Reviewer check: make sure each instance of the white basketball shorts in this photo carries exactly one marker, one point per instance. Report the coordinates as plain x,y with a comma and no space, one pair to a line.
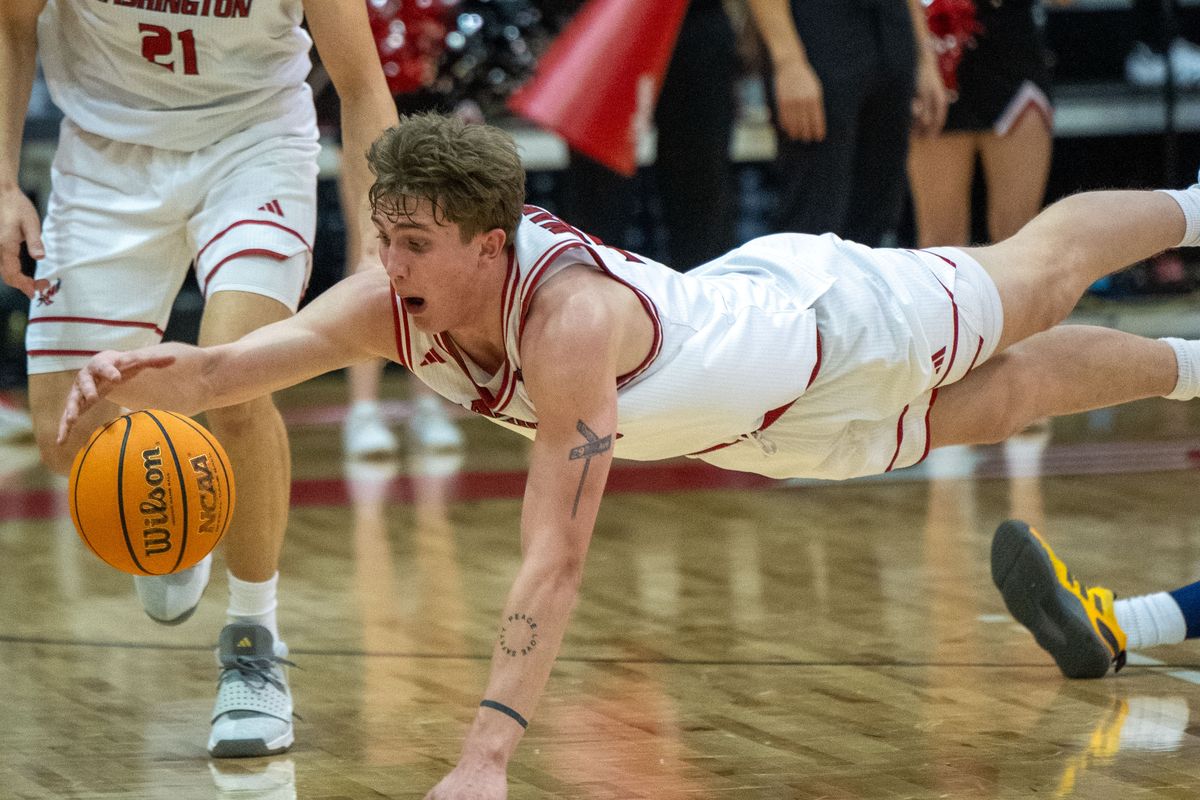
895,327
126,221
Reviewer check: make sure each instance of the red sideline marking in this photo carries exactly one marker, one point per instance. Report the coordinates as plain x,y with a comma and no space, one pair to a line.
670,476
1106,458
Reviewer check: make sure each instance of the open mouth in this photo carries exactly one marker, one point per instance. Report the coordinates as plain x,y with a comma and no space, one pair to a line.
414,304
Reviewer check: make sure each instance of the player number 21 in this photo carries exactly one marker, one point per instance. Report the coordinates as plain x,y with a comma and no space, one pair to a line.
157,46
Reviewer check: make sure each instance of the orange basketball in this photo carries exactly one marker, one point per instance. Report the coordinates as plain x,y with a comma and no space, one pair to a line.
151,492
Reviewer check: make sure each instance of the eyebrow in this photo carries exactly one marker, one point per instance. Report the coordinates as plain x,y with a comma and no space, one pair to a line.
383,223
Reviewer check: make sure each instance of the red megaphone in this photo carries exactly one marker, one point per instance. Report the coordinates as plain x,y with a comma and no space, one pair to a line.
597,84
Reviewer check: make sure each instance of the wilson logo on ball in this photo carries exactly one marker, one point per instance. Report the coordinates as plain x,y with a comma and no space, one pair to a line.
151,493
155,538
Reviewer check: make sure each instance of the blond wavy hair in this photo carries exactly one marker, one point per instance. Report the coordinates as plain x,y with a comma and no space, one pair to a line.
470,174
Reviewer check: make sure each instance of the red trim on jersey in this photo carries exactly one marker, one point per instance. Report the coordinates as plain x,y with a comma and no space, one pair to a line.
954,346
978,350
769,419
648,304
240,222
928,433
817,366
111,323
251,251
529,286
485,394
939,255
400,323
899,439
36,353
508,384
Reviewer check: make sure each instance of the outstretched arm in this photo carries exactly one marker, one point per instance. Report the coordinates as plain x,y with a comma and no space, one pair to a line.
569,366
18,218
348,323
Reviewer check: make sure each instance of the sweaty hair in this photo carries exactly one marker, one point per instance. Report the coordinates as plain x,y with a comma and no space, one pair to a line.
471,174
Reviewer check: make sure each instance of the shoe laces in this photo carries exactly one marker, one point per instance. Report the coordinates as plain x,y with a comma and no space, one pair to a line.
257,671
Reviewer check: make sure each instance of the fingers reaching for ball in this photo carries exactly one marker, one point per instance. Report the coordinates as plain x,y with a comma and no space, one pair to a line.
100,376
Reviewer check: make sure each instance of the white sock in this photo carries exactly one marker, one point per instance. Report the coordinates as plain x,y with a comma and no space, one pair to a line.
1189,201
253,602
1150,620
1187,358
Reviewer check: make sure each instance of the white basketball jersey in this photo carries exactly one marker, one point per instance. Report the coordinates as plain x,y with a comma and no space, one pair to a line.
178,74
735,340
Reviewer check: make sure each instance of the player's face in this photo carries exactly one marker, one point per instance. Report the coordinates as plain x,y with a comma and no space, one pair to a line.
434,273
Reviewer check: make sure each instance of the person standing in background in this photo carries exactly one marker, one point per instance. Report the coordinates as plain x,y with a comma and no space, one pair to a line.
189,137
1000,114
848,81
694,118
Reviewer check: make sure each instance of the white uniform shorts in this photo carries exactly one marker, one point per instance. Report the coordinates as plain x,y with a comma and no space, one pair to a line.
895,327
125,222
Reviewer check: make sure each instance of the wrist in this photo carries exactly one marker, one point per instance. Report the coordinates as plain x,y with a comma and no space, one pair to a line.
492,739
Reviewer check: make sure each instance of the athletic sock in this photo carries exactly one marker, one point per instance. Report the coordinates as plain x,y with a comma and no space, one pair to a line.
253,603
1187,358
1189,201
1154,619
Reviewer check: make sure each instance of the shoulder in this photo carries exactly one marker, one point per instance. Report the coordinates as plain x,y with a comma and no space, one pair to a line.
572,313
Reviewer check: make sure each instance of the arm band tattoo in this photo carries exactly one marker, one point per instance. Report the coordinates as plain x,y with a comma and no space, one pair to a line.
503,709
594,447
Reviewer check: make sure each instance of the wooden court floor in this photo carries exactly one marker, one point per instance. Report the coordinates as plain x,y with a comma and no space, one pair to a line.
735,638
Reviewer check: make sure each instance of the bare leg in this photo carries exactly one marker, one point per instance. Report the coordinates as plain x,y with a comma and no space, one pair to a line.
1016,166
255,438
1065,370
47,394
1044,269
940,169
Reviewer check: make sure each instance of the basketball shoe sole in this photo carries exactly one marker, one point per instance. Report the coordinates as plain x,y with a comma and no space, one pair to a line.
1073,623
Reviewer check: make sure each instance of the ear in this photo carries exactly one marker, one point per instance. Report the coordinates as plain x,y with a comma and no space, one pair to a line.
492,243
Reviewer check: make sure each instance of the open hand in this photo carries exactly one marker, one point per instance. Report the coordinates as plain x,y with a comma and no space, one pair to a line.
98,377
472,782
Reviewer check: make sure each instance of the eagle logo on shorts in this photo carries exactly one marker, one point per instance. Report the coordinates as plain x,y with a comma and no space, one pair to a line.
46,296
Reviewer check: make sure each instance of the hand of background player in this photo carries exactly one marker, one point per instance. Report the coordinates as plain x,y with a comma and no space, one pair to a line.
106,370
800,101
19,223
930,100
471,781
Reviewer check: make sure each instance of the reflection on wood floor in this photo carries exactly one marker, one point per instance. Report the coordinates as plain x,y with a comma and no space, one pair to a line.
736,638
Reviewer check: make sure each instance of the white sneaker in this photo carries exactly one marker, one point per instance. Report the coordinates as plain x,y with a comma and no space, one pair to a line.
15,424
1148,69
431,428
253,712
171,599
365,434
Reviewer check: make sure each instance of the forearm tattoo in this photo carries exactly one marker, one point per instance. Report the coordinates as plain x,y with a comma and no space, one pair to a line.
519,635
594,447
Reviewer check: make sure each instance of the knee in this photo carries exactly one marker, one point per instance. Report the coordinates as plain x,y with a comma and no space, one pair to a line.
242,419
57,458
1010,408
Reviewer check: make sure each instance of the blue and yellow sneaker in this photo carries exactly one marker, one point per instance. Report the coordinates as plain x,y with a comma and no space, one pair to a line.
1072,622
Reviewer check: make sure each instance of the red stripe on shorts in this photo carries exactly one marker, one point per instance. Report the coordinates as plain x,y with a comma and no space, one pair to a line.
254,251
284,228
112,323
36,353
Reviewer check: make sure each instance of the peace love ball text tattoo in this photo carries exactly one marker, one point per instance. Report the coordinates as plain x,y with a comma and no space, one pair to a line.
519,635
